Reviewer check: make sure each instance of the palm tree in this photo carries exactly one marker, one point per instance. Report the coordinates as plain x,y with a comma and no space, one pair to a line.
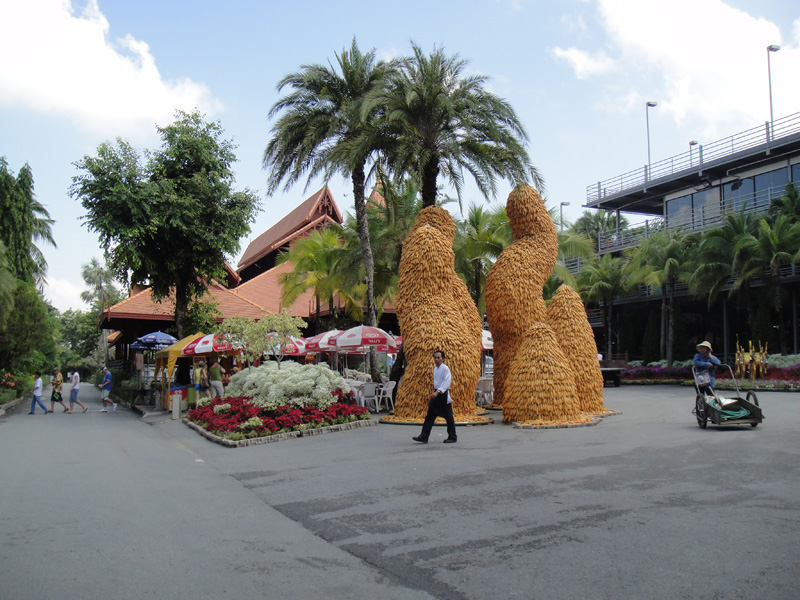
592,223
313,259
435,120
321,119
774,246
663,260
601,281
788,204
101,292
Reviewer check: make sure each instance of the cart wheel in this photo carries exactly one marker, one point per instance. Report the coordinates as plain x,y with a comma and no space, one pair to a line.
700,411
751,397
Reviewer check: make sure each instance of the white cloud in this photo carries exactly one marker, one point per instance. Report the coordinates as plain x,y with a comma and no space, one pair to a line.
63,63
64,294
584,64
702,60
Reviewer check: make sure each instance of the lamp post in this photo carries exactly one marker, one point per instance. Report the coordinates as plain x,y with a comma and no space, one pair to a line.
650,104
770,49
561,214
692,143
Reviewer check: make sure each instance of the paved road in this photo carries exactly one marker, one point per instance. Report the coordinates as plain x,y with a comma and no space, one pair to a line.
644,505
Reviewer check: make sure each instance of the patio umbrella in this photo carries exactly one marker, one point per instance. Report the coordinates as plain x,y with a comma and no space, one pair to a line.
154,341
322,341
207,343
293,347
398,342
363,335
487,343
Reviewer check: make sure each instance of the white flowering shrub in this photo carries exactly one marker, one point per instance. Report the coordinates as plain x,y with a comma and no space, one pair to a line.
221,408
251,423
293,384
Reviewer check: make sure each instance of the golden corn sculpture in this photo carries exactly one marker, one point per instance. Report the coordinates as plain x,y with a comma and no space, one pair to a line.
566,316
514,284
435,312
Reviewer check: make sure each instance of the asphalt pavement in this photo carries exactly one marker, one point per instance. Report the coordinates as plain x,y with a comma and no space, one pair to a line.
645,505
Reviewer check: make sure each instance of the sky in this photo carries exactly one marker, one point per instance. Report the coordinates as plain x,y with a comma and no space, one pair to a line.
578,73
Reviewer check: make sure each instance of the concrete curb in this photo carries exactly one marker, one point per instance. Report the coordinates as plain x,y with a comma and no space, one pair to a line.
11,404
277,437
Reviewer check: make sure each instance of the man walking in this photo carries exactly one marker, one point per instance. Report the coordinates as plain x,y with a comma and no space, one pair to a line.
37,395
73,392
215,374
440,402
105,390
57,380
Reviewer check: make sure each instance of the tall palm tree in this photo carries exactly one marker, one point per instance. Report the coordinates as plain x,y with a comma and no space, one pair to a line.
313,259
788,204
438,121
762,255
663,260
321,118
100,292
601,281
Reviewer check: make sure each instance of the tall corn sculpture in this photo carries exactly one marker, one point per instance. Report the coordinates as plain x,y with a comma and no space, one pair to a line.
514,285
540,388
435,313
566,316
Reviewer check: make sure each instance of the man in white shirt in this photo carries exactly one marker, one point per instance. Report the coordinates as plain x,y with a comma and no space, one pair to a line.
37,395
440,402
73,392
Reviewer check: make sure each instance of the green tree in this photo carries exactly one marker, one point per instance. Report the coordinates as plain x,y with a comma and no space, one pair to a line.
28,334
320,130
435,120
593,222
100,294
25,222
601,280
763,255
171,222
274,331
662,261
8,283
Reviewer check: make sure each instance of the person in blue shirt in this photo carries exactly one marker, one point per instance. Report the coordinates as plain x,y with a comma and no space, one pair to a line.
705,361
105,390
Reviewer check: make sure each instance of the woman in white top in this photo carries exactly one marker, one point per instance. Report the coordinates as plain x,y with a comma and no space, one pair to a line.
73,392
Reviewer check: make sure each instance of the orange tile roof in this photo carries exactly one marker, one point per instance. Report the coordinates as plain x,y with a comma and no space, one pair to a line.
265,291
318,209
143,306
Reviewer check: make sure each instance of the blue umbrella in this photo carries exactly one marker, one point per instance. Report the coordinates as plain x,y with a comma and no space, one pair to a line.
157,340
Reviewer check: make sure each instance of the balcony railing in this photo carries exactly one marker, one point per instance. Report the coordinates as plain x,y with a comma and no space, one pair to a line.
694,158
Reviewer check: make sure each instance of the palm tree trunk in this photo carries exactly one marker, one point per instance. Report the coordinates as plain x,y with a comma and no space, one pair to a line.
662,350
609,311
429,174
670,323
779,310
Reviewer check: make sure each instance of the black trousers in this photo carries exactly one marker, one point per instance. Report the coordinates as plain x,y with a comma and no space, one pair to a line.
439,407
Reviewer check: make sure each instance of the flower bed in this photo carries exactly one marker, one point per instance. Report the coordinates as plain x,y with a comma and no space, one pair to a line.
777,378
238,418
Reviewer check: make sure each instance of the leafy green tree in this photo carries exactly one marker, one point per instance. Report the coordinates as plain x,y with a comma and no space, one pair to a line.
763,255
322,120
662,261
601,280
237,330
593,222
8,283
172,221
28,334
100,294
25,222
274,331
435,120
202,314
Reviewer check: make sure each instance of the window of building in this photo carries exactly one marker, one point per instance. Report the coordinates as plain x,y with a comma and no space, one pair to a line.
770,185
738,193
679,211
796,175
706,206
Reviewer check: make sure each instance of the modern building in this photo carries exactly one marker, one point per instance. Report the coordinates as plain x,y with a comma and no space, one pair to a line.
692,191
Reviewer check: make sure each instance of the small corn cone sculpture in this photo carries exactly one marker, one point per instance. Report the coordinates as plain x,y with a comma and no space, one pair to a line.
541,384
566,316
514,284
435,312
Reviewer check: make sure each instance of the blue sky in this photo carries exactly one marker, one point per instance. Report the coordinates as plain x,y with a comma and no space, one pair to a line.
578,72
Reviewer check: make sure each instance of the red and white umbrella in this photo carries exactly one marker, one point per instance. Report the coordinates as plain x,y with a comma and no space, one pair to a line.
363,335
207,343
322,341
487,343
293,347
392,348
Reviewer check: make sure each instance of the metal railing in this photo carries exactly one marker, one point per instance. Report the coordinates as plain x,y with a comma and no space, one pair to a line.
693,159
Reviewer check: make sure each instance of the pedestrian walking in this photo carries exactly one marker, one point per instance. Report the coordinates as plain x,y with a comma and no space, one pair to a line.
37,395
202,384
57,381
73,392
215,373
440,404
105,390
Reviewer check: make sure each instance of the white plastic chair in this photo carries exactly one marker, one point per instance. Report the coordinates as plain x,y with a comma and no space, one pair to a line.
369,395
385,396
484,391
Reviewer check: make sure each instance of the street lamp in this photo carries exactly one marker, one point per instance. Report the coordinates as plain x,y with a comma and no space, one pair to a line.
771,48
650,104
692,143
561,214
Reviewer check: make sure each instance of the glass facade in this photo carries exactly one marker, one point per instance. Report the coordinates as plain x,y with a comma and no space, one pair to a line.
737,193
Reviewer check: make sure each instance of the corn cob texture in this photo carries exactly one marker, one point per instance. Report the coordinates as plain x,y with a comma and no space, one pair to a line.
514,301
541,387
566,316
435,312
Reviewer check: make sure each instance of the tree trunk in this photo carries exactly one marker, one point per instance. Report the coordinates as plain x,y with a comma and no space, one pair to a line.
662,349
429,174
670,323
779,309
181,306
609,346
478,272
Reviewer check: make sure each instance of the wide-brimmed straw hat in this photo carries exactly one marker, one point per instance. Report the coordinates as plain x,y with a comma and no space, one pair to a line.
706,345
